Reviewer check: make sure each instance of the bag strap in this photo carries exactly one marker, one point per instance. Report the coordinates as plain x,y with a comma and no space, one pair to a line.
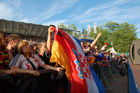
31,64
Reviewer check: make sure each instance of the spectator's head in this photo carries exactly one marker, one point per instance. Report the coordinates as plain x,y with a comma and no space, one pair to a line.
14,39
35,46
42,47
88,43
123,54
24,47
3,40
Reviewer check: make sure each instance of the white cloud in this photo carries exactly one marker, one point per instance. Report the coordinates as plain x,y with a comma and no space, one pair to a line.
106,5
54,9
15,3
111,11
97,10
55,22
6,12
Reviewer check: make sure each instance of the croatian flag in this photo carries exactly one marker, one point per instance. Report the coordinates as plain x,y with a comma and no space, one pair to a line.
67,52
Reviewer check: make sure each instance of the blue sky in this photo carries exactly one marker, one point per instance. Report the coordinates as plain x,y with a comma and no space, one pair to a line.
78,12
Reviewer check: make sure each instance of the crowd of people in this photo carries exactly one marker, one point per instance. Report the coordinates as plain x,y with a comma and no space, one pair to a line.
104,57
20,57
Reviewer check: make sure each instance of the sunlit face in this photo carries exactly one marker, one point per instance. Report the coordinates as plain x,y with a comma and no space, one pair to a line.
43,47
14,43
26,49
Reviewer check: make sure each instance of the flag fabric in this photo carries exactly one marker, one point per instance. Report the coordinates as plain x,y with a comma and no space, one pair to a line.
95,31
67,52
132,85
82,31
97,81
89,30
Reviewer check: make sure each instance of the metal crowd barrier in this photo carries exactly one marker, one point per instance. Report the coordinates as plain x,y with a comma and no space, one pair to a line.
105,72
19,83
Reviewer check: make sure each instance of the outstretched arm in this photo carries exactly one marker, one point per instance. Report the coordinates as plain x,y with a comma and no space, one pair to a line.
94,42
22,71
48,43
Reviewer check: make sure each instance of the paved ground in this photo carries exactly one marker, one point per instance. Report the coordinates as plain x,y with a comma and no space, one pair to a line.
118,85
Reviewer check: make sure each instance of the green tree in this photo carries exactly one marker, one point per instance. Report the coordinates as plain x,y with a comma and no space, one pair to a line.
62,26
72,27
112,26
123,37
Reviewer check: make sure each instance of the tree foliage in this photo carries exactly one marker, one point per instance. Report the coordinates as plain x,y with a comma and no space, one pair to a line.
66,29
121,35
72,27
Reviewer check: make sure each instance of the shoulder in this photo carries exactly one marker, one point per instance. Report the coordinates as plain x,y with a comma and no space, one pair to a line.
21,57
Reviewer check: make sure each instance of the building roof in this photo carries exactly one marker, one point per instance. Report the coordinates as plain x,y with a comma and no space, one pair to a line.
26,29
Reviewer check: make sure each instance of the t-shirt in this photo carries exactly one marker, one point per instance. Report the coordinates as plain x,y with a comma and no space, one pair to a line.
103,48
100,56
14,60
46,58
23,63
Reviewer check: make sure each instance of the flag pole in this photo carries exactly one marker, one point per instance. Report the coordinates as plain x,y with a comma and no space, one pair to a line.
95,31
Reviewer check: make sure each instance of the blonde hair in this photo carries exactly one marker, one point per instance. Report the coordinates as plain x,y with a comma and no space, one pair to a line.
40,44
21,44
13,37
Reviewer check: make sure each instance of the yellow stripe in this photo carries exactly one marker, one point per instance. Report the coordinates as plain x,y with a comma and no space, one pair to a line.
60,57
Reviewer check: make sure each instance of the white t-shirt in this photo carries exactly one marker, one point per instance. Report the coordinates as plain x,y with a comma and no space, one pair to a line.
23,63
103,48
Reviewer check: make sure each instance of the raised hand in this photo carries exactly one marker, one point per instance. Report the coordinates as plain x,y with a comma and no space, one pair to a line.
51,29
60,72
99,34
11,45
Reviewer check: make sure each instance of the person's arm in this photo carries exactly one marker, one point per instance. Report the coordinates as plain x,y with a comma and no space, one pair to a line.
9,50
108,50
48,67
94,42
23,71
8,71
48,44
59,69
16,67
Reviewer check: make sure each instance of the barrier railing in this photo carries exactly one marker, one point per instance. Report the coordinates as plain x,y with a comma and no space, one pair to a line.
46,82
